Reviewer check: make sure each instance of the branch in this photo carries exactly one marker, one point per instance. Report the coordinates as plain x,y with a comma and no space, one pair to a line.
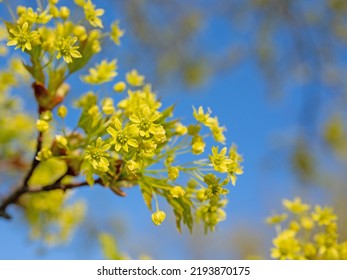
12,198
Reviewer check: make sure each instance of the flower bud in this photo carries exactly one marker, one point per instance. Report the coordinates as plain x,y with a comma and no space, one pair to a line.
46,116
62,111
42,126
201,195
173,173
177,192
198,145
158,217
21,10
61,141
119,87
81,32
44,154
131,166
64,12
181,129
107,106
54,11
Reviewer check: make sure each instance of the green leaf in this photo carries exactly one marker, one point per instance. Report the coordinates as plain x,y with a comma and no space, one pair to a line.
109,247
86,52
55,79
48,172
182,210
147,194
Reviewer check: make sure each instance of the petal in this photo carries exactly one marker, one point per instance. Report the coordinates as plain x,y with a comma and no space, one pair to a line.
125,148
117,124
134,119
133,143
112,132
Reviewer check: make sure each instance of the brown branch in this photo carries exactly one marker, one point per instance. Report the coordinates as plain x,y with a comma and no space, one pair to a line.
23,188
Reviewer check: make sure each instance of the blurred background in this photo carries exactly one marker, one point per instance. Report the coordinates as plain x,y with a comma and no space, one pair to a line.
274,71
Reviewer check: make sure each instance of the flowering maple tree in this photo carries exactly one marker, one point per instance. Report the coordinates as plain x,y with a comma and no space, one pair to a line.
117,142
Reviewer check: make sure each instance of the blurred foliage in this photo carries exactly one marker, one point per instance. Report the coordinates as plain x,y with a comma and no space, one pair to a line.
307,234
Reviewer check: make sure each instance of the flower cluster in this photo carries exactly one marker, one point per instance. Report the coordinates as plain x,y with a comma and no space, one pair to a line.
310,234
122,141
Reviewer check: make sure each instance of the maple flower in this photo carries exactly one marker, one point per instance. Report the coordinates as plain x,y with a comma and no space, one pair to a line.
219,160
92,14
144,121
116,33
134,78
67,50
101,73
158,217
122,138
96,154
22,37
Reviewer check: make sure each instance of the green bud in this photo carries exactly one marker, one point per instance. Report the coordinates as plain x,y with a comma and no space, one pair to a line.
158,217
193,129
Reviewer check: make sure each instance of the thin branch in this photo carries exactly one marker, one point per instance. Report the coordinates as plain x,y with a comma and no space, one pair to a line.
12,198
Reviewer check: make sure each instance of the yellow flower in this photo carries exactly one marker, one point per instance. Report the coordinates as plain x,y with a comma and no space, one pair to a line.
324,216
22,37
219,160
107,106
96,154
306,222
119,87
44,154
122,138
177,192
101,73
173,173
92,14
217,131
116,33
61,141
64,12
295,206
81,32
144,122
276,219
42,126
134,78
35,17
158,217
131,166
181,129
200,115
198,145
67,50
286,246
62,111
